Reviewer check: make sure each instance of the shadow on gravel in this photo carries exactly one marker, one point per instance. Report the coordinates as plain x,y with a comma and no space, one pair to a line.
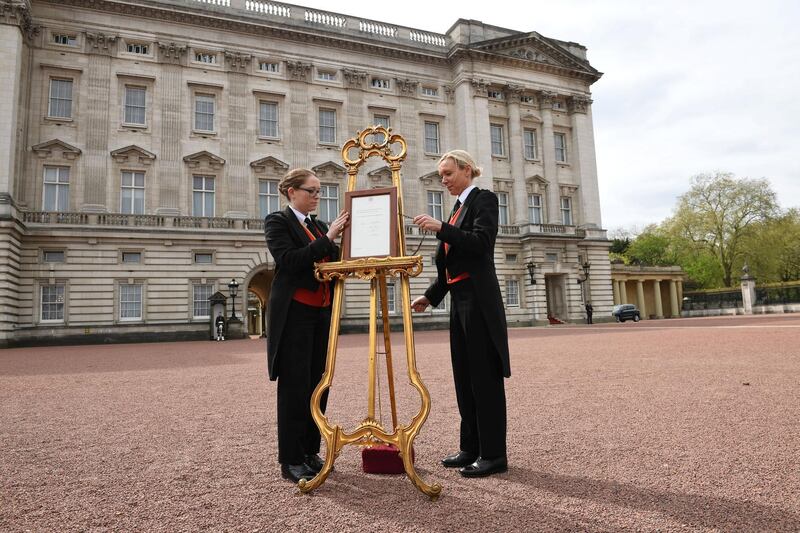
692,510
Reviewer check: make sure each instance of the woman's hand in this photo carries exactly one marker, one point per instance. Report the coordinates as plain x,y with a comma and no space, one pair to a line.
338,225
428,223
420,304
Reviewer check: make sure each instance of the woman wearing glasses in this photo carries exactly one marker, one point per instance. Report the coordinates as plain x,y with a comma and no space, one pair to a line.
299,318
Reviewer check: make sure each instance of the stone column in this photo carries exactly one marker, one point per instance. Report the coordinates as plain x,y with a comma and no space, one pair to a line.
615,291
302,115
657,294
169,171
583,160
553,215
237,171
623,292
478,143
520,198
640,297
675,312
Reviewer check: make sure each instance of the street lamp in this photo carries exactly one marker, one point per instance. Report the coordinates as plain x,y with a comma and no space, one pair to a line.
531,268
233,289
585,266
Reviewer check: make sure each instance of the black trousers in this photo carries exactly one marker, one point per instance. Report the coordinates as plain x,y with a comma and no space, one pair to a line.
478,375
301,362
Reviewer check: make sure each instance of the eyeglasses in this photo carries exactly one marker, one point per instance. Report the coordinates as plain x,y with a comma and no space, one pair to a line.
312,192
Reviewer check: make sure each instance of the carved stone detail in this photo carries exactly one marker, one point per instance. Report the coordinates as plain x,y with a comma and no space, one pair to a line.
237,62
530,54
546,99
480,87
579,104
514,93
100,43
354,78
18,13
449,93
45,150
203,159
171,53
269,163
299,70
407,86
330,170
133,154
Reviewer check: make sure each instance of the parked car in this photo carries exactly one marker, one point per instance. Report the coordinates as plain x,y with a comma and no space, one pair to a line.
624,312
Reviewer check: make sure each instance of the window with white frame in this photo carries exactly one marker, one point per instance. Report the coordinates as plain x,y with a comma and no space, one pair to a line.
535,208
561,147
205,57
268,66
328,208
435,206
52,302
201,292
138,48
56,189
65,38
203,258
529,143
566,210
268,197
380,83
326,75
132,194
502,201
327,125
431,137
203,196
53,256
135,105
130,301
496,133
60,98
268,119
204,106
512,293
430,91
390,296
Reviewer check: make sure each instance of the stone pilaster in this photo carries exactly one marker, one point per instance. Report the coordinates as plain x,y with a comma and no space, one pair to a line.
236,180
478,145
657,295
583,159
549,158
516,156
168,171
640,298
675,310
96,161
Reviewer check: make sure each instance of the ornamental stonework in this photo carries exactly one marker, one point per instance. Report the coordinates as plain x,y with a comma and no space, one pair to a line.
171,53
354,78
237,62
298,70
100,43
579,104
480,87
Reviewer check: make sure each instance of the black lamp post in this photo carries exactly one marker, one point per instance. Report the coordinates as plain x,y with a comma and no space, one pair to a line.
531,268
233,289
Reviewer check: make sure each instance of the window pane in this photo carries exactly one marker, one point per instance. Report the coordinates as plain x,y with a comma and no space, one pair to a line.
431,137
496,132
268,119
529,137
435,205
52,304
327,126
535,208
60,98
130,301
502,199
201,294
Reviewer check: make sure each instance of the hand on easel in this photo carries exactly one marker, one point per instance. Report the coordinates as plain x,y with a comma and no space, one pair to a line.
420,304
338,225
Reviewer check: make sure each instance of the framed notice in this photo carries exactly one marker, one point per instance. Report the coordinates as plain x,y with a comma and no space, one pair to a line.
372,231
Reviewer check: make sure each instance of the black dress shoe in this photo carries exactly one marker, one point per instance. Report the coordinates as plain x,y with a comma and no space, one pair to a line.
314,463
296,472
485,467
457,460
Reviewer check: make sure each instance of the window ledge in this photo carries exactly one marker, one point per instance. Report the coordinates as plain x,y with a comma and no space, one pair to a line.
134,127
59,119
200,133
264,139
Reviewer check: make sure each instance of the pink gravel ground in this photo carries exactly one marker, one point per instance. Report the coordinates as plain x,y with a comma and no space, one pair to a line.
672,425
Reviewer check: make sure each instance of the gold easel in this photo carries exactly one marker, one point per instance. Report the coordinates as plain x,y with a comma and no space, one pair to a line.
374,270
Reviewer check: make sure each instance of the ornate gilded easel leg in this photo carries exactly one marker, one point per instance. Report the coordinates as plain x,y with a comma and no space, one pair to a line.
406,446
331,435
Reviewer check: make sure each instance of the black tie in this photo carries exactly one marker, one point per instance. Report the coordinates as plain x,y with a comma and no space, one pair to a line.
455,209
311,227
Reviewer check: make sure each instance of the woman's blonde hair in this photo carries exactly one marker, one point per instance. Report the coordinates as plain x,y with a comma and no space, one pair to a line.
462,159
294,179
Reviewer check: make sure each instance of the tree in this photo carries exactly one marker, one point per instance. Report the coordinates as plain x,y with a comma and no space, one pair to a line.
773,249
652,247
719,212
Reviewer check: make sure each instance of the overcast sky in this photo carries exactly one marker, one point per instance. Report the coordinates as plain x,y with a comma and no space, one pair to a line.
688,87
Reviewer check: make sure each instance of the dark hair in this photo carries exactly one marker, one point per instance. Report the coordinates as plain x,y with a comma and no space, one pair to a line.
294,179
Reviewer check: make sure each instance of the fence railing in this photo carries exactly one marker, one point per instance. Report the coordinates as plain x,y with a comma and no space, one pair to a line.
767,294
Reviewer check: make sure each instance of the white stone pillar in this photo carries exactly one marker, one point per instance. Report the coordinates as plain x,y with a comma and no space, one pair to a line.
623,292
520,198
640,297
615,291
553,207
675,312
748,293
583,160
657,294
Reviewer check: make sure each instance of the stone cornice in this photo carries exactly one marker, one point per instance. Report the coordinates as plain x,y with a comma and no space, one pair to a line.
131,153
45,149
463,53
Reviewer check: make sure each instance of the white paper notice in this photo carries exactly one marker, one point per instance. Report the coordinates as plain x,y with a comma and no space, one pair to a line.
370,226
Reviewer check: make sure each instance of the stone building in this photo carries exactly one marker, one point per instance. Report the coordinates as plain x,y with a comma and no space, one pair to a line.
141,143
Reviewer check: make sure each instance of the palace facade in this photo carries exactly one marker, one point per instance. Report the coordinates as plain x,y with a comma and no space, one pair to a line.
141,143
